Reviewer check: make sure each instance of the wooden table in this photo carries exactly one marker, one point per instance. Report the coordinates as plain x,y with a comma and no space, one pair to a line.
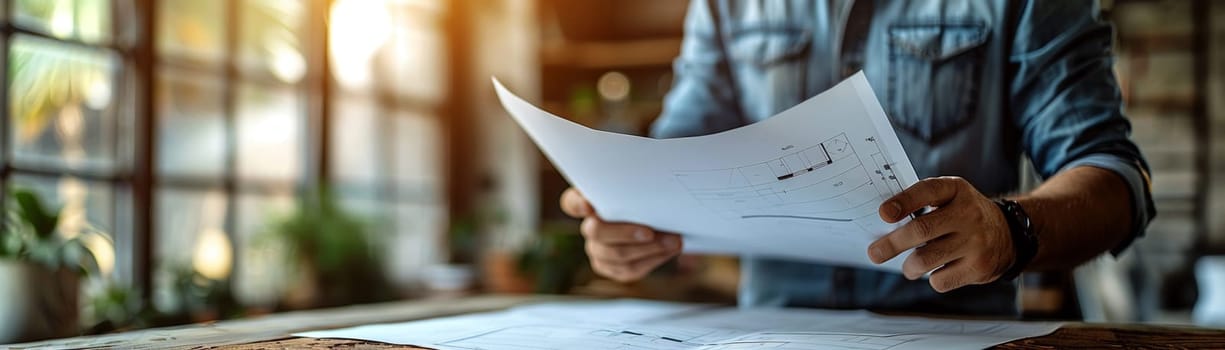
272,332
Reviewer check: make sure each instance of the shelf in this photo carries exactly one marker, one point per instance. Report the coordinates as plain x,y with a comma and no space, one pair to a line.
657,52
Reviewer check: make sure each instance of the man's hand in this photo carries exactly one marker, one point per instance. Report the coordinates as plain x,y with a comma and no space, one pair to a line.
623,252
966,239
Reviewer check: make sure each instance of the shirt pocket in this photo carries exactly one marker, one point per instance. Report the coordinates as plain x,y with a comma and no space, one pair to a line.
934,72
770,65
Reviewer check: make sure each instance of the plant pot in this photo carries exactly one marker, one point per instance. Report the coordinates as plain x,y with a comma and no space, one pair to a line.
501,274
305,291
37,303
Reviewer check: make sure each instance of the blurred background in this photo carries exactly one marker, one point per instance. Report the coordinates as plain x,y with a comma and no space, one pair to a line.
175,161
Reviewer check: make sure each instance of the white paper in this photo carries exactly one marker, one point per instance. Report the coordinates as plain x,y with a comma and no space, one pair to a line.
656,325
623,310
805,184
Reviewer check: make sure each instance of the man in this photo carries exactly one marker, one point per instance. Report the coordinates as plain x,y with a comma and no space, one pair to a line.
970,86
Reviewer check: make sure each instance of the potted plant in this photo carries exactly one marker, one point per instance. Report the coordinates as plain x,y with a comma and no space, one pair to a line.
334,252
40,272
466,239
115,307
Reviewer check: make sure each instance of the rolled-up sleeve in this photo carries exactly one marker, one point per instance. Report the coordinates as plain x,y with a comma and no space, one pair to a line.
1137,184
703,98
1066,101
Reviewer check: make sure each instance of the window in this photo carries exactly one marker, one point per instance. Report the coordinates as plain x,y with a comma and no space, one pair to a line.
231,129
387,147
64,128
246,109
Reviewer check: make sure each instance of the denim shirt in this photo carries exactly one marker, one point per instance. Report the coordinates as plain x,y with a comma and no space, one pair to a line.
970,86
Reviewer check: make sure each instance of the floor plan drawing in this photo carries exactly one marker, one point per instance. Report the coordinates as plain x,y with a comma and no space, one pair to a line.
528,337
825,182
569,325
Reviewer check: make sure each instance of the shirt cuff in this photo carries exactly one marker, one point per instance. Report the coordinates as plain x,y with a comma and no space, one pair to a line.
1138,184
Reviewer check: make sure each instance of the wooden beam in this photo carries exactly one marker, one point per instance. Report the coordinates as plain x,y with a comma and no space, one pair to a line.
457,115
144,59
1201,124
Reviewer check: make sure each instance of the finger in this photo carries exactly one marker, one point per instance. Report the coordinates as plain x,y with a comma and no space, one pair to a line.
933,255
642,268
914,233
627,253
615,272
633,271
575,205
615,233
626,273
955,274
930,192
637,270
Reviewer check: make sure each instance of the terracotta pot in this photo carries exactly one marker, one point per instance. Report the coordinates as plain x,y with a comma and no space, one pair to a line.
500,274
305,293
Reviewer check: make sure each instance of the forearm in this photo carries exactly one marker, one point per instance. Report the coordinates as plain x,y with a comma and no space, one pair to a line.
1077,214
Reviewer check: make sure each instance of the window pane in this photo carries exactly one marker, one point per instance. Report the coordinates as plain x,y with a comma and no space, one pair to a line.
61,106
190,239
83,205
87,20
270,38
372,152
357,151
357,30
260,277
191,129
414,59
417,154
269,132
121,235
414,243
192,29
398,46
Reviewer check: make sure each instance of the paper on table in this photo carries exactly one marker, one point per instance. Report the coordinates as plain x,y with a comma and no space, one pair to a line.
804,184
656,325
622,311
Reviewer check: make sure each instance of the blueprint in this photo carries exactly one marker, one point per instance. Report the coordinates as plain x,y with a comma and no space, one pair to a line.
637,324
804,184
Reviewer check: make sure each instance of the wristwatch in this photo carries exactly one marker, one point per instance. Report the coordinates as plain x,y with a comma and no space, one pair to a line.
1024,239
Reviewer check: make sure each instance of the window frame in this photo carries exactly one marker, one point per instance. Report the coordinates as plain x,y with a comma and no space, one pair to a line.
133,41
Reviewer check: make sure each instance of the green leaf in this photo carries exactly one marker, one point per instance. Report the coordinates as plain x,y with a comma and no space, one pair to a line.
30,208
10,244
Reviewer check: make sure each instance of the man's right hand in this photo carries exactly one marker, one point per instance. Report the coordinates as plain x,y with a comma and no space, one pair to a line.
623,252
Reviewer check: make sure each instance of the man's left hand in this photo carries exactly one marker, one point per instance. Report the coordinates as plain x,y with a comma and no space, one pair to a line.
965,239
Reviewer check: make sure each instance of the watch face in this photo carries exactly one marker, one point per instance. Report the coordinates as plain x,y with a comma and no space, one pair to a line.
1019,217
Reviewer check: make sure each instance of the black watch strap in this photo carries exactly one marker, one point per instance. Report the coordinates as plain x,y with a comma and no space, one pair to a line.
1024,239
